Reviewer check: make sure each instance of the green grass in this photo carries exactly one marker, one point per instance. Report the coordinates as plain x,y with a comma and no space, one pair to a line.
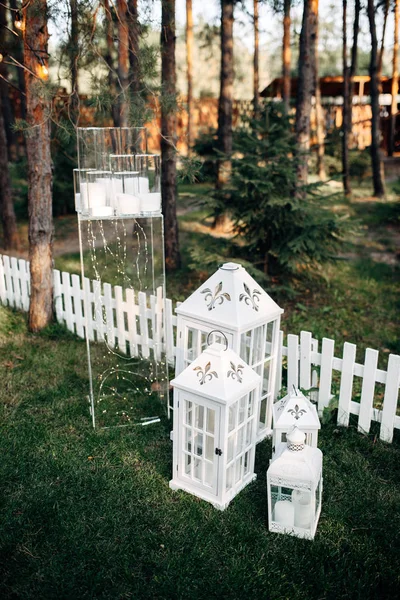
90,515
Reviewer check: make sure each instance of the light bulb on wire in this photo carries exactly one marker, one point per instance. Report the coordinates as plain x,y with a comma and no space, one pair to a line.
43,71
18,23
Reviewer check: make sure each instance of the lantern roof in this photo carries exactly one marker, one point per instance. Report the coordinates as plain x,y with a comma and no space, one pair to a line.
303,463
295,409
231,299
219,374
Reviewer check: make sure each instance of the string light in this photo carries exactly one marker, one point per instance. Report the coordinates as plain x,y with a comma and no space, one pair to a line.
43,70
18,22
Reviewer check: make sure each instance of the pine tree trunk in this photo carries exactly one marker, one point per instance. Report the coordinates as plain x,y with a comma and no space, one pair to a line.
134,59
286,54
382,48
8,220
189,66
39,167
110,62
395,79
226,93
8,117
73,49
379,190
123,62
346,106
256,61
168,135
353,64
306,85
319,113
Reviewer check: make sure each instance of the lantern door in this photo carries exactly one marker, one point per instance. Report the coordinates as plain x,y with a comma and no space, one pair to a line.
199,443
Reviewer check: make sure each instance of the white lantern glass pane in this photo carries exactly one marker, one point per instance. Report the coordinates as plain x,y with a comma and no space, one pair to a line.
210,420
209,447
197,469
229,478
232,417
188,464
269,338
240,440
246,462
199,421
238,469
209,473
188,412
188,439
303,516
203,340
198,444
248,433
242,409
263,413
258,345
265,382
189,346
231,445
250,407
245,343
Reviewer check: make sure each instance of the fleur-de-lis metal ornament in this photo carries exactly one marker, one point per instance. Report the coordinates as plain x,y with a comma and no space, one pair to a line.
250,298
205,374
215,298
297,412
236,372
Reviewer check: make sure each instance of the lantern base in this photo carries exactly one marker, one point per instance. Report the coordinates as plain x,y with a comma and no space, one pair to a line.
176,485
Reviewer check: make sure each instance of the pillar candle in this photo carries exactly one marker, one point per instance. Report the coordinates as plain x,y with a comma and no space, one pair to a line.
284,513
97,194
150,203
302,508
127,204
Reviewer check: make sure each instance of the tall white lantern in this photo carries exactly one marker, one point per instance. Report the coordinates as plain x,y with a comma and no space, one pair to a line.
232,302
295,409
294,487
214,433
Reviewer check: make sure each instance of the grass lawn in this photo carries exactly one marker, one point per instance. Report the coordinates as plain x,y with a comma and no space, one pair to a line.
89,514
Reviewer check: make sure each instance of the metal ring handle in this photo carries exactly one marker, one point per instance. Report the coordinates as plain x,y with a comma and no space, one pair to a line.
222,333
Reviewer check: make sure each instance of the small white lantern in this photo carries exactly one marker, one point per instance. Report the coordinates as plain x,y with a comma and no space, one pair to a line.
214,435
232,302
295,409
294,487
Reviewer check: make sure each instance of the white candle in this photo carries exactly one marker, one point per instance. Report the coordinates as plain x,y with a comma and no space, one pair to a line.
302,508
143,183
78,202
97,194
284,513
150,203
101,211
84,198
127,204
131,185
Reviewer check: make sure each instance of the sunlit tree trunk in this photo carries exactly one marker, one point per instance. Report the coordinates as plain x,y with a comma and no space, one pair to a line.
353,64
38,107
168,135
286,54
256,60
110,62
306,85
379,190
382,48
123,61
226,93
319,113
189,66
8,220
346,116
134,57
395,79
73,49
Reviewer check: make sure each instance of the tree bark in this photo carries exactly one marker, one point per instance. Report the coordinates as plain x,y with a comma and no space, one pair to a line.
8,220
379,189
395,79
256,61
123,62
382,48
306,86
18,55
189,66
110,62
286,54
135,76
39,165
225,103
353,63
73,49
319,113
8,117
346,106
168,135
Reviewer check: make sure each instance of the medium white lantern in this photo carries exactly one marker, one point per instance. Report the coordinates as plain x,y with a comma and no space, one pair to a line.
214,433
294,487
295,409
232,302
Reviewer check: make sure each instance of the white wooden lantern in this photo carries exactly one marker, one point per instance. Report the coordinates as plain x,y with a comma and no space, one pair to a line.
232,302
214,433
295,409
294,482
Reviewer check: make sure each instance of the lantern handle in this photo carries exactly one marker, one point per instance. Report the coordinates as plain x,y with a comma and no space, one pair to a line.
222,333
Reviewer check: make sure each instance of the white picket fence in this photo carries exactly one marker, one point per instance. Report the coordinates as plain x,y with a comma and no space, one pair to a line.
150,327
